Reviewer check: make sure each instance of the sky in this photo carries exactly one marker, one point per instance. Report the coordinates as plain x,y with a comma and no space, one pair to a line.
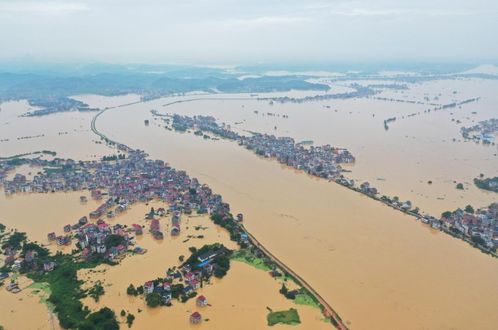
247,32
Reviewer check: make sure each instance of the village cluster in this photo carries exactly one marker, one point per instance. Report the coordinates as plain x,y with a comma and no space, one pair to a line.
321,161
484,131
184,282
324,162
481,226
119,184
477,226
124,182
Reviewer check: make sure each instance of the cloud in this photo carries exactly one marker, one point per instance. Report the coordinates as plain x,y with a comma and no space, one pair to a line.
42,7
263,21
402,12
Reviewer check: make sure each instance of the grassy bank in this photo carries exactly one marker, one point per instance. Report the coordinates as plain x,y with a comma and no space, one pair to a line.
247,257
306,298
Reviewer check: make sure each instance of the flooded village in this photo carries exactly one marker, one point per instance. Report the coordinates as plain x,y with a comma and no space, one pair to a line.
118,183
481,229
212,165
113,201
322,161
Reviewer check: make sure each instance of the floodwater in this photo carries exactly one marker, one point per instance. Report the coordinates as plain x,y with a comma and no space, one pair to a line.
238,301
255,289
15,307
376,266
46,213
67,133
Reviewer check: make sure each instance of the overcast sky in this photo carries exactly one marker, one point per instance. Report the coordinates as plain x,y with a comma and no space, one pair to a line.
229,31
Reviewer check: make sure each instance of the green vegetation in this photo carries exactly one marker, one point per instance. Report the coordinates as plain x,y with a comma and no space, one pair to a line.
96,291
104,319
114,240
459,186
15,240
176,290
490,184
289,317
305,298
447,214
245,255
66,293
153,299
45,288
469,209
17,160
229,224
41,251
129,319
221,261
132,291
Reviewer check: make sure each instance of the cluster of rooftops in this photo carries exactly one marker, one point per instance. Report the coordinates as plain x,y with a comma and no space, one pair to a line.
125,182
322,161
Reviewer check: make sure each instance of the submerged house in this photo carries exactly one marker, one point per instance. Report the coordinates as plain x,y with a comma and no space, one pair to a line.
148,287
201,301
51,236
195,318
175,230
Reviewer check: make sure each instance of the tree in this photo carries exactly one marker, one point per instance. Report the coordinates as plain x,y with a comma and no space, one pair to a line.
140,290
459,186
131,290
104,319
123,313
220,272
15,240
446,214
153,299
96,291
469,209
114,240
129,319
283,289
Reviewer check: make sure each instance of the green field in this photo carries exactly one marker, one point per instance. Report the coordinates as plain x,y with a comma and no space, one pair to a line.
305,298
248,258
289,317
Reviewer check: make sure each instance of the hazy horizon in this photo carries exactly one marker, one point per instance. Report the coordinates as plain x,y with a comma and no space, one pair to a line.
241,32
